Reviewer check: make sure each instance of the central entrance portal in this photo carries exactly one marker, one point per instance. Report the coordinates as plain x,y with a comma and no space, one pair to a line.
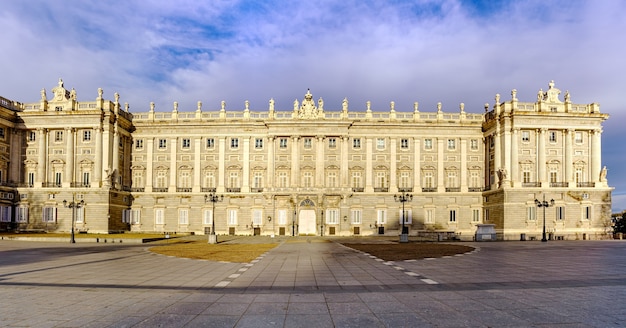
307,221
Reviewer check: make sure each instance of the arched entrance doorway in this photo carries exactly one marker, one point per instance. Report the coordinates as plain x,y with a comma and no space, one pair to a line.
306,218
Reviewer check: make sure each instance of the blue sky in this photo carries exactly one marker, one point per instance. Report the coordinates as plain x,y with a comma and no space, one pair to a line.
404,51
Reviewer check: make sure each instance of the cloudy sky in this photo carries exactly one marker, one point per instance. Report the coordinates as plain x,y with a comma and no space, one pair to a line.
447,51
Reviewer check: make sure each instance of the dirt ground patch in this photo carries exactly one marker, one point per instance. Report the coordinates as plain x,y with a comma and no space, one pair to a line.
410,251
240,253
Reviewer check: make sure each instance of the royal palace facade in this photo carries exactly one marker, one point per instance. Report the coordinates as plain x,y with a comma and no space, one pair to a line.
305,171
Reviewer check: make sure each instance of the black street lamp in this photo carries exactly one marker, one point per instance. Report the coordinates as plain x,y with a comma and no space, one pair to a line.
213,198
73,205
544,204
403,198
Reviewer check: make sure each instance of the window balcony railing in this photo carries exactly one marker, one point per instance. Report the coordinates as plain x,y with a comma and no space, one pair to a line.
559,184
25,185
475,189
138,189
178,189
208,189
126,188
531,184
381,189
429,189
51,185
233,189
80,185
455,189
256,189
159,189
405,189
585,184
358,189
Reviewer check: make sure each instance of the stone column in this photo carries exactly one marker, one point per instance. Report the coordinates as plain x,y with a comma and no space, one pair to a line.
507,152
197,144
270,162
116,157
16,147
368,165
221,167
497,155
319,162
69,158
393,169
569,165
596,155
345,181
149,161
245,186
106,151
295,163
417,165
541,157
173,168
97,178
41,157
441,186
514,157
463,172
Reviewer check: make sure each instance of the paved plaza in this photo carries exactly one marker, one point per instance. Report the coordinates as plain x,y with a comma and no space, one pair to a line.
310,282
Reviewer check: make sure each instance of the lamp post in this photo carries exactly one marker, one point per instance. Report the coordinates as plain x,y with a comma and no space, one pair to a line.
73,205
544,204
213,198
403,198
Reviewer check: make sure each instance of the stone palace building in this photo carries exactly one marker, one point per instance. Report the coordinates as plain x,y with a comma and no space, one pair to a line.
305,171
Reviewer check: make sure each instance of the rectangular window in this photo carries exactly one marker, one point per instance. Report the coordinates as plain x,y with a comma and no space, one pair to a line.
356,143
486,214
451,144
80,214
233,180
525,136
553,175
428,144
258,143
381,180
22,214
49,214
32,136
531,213
86,178
332,180
408,216
210,142
428,180
552,136
186,143
475,215
332,142
234,143
282,143
452,215
560,213
257,181
232,217
162,143
159,216
5,214
332,216
404,143
283,180
587,213
31,179
207,216
183,216
307,180
526,177
356,180
405,180
381,217
58,136
307,143
578,137
356,216
380,143
474,144
87,135
139,144
58,178
429,216
257,217
282,217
